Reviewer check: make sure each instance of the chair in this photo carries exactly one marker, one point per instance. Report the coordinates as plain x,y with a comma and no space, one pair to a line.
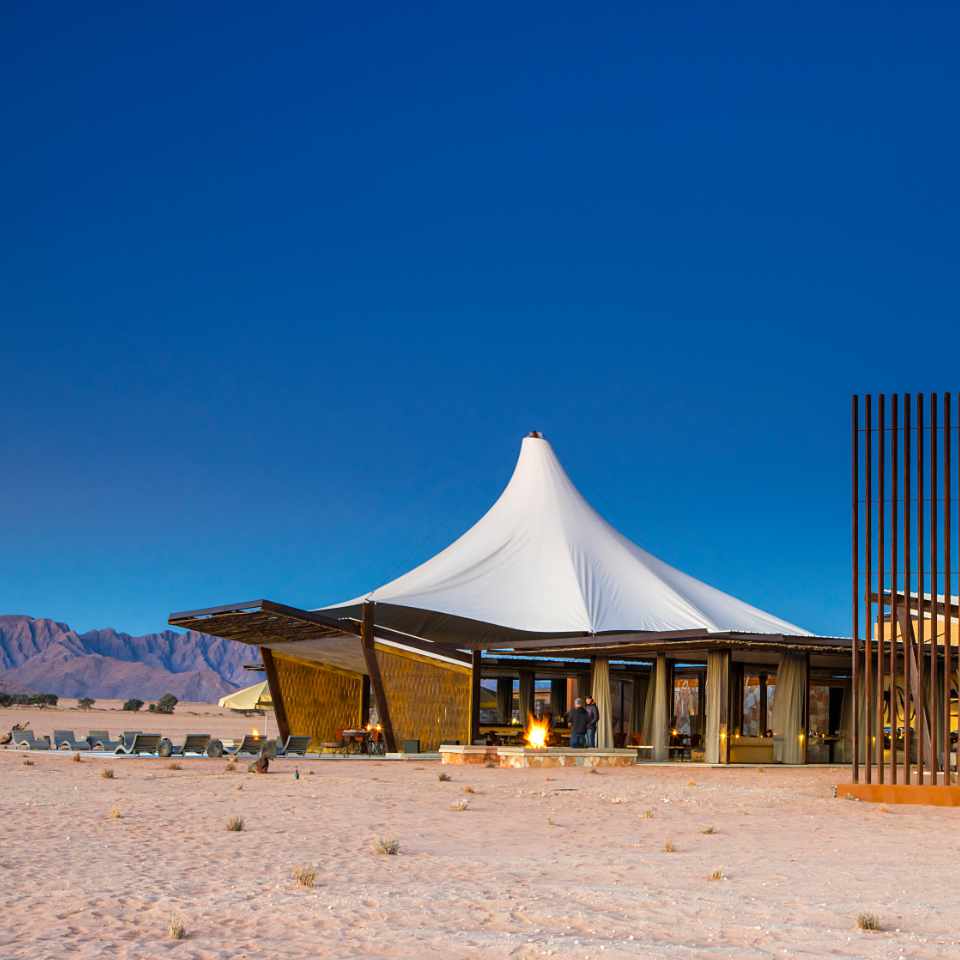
294,745
100,740
249,744
193,743
25,740
148,743
65,740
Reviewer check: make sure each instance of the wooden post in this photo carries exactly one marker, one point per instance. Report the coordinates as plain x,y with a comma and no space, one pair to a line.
273,682
475,658
364,700
855,719
376,680
868,581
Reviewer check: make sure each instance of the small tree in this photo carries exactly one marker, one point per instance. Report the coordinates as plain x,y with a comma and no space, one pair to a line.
133,704
85,703
165,704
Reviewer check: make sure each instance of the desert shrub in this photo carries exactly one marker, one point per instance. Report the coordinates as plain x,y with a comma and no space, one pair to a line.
305,876
460,805
386,847
27,762
647,814
77,758
469,789
115,813
444,777
133,705
668,847
709,830
176,930
85,703
231,766
868,921
28,699
165,704
235,824
716,875
174,766
107,773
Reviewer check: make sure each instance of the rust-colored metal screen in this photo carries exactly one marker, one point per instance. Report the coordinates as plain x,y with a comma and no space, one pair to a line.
429,700
319,700
905,596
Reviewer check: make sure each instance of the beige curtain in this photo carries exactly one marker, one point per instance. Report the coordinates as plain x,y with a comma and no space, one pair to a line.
660,721
604,701
718,681
646,726
788,744
638,705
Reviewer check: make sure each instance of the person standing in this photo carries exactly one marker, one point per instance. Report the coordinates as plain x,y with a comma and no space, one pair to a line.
578,719
593,718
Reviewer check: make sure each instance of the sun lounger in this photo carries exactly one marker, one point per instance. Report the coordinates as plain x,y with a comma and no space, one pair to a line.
127,739
65,740
194,743
25,740
100,740
293,745
249,744
142,743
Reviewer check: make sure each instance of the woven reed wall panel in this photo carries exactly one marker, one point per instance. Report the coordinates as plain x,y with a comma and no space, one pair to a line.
429,703
319,701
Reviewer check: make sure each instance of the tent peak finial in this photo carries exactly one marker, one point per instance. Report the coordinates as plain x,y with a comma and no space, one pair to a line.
536,434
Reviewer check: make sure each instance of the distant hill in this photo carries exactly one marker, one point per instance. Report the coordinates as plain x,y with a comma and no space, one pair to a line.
44,656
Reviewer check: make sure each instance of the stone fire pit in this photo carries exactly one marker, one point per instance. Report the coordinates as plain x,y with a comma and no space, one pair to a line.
530,757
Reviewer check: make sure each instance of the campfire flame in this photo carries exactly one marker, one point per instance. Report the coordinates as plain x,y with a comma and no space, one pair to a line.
536,733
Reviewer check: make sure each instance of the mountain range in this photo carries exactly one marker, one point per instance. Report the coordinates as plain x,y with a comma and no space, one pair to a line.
38,655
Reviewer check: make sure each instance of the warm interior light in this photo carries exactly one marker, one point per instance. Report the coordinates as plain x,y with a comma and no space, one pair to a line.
536,733
255,732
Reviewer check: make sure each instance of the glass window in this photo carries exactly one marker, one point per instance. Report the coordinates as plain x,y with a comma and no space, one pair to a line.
686,703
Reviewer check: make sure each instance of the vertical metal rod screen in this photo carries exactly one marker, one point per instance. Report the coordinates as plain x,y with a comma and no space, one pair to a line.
905,606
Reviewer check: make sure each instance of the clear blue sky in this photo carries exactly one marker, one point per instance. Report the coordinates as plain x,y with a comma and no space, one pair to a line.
283,287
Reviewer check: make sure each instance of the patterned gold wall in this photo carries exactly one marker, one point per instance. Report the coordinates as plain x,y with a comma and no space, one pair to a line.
429,700
319,700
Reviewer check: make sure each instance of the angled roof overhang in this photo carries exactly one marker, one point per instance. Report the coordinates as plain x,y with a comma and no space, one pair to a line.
305,634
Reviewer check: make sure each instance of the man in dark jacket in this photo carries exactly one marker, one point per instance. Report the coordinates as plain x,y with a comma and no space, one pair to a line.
593,718
578,719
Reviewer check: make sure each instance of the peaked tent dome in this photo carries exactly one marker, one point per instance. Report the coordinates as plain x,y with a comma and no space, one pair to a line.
542,562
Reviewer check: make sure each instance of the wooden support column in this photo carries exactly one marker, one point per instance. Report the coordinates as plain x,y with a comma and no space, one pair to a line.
475,658
364,700
505,699
376,680
273,682
527,683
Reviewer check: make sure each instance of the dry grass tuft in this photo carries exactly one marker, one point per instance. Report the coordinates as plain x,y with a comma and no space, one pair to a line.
235,824
174,766
460,805
107,773
76,758
176,930
691,783
868,921
230,767
305,876
594,770
469,789
444,777
115,813
647,814
717,875
27,762
709,830
386,847
668,847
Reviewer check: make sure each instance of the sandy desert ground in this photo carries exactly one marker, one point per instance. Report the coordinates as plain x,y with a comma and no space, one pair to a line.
107,715
553,863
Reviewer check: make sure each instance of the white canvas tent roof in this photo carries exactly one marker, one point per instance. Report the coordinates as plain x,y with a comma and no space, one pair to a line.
543,563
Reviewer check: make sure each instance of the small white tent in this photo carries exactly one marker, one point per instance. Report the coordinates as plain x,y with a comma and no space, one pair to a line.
543,563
